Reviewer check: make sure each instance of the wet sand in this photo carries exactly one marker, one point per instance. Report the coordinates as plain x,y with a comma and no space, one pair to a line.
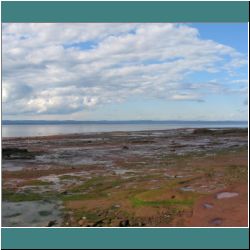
165,178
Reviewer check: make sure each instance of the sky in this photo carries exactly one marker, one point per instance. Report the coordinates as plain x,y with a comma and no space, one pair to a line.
124,71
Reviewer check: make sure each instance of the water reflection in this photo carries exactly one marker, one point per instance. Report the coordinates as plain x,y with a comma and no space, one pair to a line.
43,130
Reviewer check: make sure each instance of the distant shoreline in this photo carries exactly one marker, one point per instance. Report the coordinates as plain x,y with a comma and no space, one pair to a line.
114,122
94,133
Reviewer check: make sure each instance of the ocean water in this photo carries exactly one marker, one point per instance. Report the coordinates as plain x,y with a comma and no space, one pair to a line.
56,129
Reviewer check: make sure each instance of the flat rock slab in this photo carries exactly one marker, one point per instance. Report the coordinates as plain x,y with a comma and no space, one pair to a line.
226,195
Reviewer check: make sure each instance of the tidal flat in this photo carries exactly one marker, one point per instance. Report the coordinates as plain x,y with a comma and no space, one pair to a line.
164,178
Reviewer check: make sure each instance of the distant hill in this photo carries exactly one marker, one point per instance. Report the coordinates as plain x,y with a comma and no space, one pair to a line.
63,122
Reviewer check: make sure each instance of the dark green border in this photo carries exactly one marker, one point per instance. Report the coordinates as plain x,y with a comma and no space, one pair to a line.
205,11
125,238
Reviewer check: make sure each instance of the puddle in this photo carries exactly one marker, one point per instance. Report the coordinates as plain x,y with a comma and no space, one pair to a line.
30,213
58,184
226,195
187,189
74,157
122,171
12,165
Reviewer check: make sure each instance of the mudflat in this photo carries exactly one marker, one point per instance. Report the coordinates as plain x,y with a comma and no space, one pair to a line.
166,178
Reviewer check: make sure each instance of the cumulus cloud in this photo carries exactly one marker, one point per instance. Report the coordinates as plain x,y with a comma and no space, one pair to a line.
66,68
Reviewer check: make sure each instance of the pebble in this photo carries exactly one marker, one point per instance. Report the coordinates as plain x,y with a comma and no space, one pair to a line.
81,222
51,223
64,192
124,223
208,205
115,223
216,221
141,224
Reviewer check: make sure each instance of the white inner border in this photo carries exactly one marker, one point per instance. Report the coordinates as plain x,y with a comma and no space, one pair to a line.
109,227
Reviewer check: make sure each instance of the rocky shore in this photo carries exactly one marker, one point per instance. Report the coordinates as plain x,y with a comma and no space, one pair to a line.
165,178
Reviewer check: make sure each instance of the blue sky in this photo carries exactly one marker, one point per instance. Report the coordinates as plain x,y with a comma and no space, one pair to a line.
125,71
226,33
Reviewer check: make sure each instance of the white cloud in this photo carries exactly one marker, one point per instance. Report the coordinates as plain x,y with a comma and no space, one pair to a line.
66,68
187,97
240,81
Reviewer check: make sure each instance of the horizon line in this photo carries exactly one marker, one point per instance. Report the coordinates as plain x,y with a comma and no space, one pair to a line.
128,120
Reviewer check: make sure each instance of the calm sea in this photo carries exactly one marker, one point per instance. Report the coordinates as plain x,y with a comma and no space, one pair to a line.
44,130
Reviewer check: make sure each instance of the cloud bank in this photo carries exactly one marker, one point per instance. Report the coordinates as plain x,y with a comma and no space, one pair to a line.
68,68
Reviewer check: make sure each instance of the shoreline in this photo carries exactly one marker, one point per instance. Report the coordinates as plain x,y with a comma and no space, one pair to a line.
118,131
